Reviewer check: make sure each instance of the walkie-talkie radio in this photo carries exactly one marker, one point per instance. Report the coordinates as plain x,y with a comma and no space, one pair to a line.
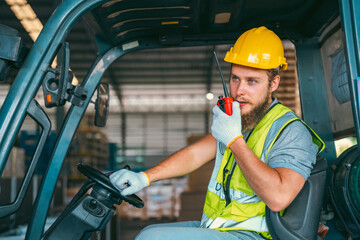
224,103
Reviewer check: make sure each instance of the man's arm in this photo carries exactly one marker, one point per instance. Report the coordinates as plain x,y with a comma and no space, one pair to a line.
180,163
277,187
185,160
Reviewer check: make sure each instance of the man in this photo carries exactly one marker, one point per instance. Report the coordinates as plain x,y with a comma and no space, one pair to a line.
263,151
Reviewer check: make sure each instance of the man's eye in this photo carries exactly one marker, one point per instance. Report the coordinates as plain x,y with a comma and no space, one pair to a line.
251,81
235,78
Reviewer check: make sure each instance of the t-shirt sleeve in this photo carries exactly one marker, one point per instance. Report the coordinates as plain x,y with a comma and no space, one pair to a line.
294,149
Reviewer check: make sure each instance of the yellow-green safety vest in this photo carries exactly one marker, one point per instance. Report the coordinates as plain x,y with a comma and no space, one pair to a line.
244,209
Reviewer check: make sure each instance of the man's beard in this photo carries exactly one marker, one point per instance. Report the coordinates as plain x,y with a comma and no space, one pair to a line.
251,119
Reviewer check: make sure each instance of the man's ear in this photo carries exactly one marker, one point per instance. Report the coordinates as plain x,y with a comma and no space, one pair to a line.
274,84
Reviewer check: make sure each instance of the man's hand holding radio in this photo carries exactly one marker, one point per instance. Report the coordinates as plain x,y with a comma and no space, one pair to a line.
225,128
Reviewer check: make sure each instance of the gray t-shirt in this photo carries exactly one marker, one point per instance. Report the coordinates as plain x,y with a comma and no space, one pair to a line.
294,149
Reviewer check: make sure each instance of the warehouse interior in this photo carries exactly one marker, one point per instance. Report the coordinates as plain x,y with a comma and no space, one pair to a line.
160,101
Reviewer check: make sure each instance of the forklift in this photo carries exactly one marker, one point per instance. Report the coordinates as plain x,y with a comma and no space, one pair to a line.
326,36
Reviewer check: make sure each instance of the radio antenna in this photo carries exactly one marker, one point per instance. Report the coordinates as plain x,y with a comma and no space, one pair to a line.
222,77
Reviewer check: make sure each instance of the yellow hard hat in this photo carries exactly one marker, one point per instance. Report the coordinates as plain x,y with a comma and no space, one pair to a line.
258,48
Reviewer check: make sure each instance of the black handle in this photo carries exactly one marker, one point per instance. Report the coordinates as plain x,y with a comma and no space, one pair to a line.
36,112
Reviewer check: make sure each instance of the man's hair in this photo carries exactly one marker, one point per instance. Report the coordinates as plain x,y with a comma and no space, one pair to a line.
272,73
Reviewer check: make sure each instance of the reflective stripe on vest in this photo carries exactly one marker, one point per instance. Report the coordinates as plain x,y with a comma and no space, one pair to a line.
245,211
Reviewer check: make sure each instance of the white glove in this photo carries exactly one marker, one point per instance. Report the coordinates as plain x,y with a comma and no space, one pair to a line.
225,128
129,182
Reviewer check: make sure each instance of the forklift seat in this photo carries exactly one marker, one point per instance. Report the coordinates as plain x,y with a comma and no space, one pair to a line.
12,51
300,220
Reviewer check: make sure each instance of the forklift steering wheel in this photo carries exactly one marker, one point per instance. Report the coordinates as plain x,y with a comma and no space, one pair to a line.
104,181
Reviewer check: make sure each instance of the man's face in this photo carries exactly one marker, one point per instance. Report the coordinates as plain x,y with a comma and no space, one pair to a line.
252,89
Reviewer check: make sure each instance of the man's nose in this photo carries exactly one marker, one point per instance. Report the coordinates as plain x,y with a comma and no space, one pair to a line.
241,88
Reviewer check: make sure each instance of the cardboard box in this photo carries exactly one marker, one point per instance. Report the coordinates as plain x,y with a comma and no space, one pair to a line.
199,179
162,200
192,204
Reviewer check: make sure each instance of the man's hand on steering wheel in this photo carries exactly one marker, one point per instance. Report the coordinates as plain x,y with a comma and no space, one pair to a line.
103,180
129,182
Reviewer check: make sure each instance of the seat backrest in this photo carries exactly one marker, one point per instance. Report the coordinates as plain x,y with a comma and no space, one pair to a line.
11,49
301,218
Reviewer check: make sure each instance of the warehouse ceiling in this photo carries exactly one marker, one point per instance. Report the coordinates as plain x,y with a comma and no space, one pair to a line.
188,70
